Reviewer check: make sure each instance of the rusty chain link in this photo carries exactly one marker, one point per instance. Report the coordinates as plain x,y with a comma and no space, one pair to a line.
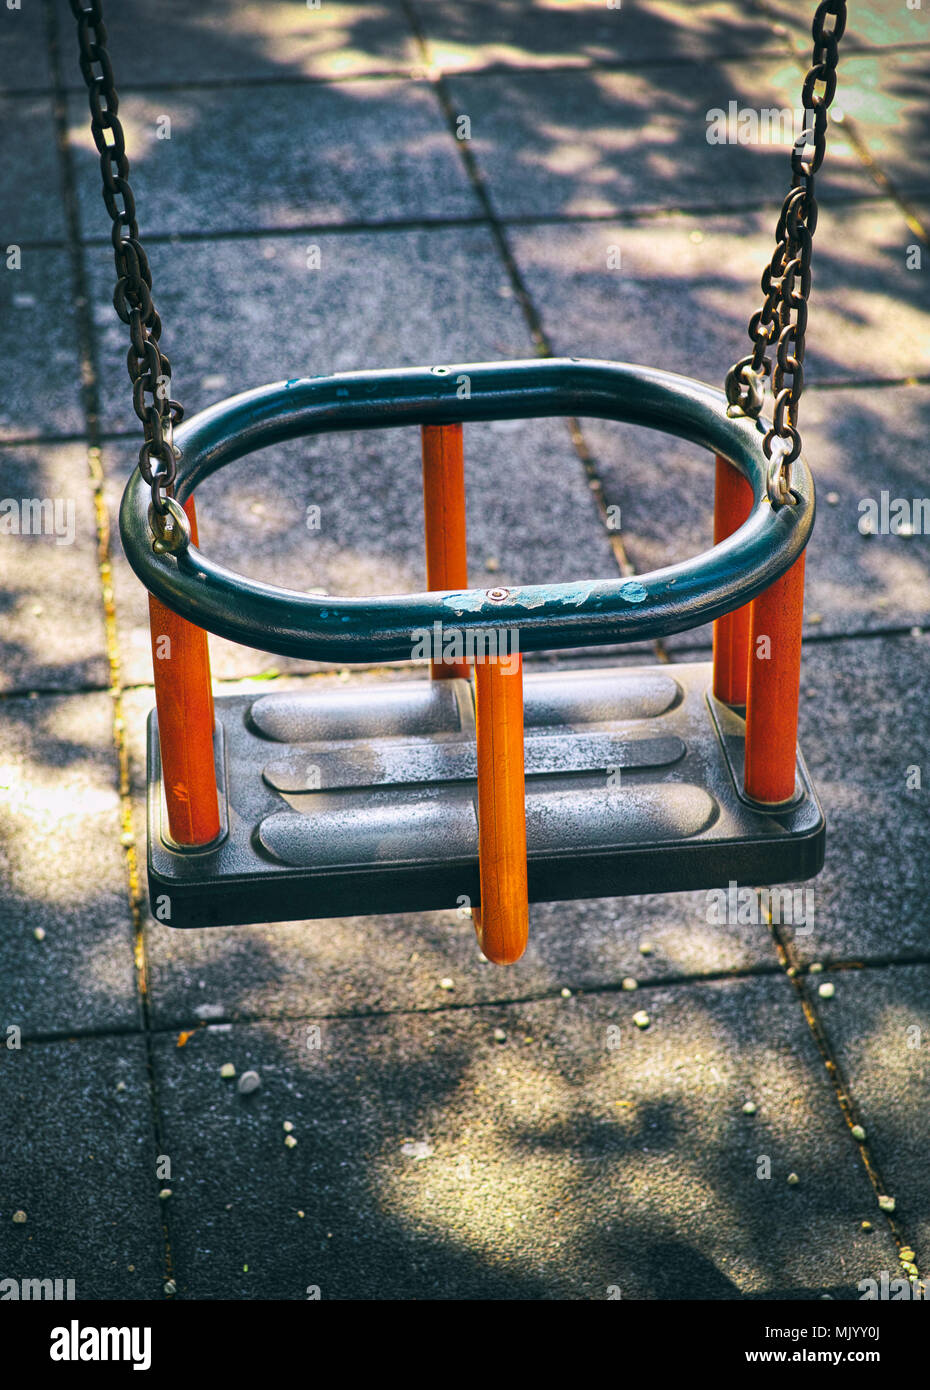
786,281
149,368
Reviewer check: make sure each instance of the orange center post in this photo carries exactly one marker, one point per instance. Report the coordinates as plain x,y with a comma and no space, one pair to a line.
502,922
444,511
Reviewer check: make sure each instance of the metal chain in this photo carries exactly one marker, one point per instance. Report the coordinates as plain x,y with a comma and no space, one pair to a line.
786,281
149,368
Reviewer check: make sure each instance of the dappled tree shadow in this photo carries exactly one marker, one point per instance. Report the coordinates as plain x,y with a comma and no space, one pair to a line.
621,1193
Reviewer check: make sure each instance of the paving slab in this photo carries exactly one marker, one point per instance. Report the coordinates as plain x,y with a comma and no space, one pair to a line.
470,34
686,285
62,871
52,633
32,205
287,155
876,24
38,342
577,1158
860,444
886,96
436,297
378,299
878,1028
80,1161
864,728
596,142
239,40
23,48
863,731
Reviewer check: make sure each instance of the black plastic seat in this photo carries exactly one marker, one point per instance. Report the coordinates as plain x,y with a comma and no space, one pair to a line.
364,801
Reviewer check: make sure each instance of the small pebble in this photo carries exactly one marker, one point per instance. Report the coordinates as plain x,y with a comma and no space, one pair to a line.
867,1225
886,1203
19,1217
121,1085
827,991
816,968
227,1071
171,1286
629,983
645,948
492,563
301,1215
290,1141
417,1148
642,1019
833,498
446,983
858,1133
499,1035
566,994
39,933
792,972
249,1081
793,1179
207,1011
749,1108
287,1126
165,1193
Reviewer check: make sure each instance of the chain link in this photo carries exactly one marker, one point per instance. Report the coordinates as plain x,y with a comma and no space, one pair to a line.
149,368
786,280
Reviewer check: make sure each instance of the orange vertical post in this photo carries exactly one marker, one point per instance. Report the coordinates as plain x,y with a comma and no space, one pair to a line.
774,688
444,512
502,923
184,698
732,505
